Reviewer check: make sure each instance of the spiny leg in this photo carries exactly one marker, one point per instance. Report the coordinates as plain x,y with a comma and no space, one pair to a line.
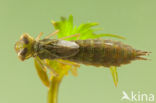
67,63
52,34
41,71
52,69
70,36
74,66
40,63
74,71
38,37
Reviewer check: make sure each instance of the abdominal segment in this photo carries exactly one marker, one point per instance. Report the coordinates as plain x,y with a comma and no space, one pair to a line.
98,52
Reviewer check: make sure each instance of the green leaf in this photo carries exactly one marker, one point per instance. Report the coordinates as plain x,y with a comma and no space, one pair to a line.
86,30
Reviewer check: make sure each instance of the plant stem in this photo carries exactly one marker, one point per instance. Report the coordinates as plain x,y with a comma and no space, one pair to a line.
53,90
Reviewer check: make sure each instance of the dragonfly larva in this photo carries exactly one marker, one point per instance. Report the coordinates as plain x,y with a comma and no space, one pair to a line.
96,52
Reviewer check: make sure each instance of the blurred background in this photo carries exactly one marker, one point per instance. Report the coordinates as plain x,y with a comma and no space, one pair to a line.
133,19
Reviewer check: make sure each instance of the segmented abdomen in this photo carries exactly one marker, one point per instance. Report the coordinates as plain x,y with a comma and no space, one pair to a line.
106,53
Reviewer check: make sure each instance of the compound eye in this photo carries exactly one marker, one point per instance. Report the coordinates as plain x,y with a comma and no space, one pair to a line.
25,40
24,52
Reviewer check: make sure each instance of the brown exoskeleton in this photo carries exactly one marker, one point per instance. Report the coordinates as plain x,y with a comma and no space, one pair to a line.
96,52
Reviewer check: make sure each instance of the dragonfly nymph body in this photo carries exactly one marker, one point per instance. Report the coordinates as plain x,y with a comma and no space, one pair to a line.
96,52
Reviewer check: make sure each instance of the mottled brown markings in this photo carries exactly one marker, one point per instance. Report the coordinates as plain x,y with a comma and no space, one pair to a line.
104,53
99,52
90,50
80,57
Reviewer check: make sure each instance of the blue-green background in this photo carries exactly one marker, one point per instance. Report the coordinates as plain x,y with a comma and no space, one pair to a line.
133,19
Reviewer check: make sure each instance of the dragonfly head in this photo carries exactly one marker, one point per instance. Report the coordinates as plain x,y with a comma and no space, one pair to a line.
24,47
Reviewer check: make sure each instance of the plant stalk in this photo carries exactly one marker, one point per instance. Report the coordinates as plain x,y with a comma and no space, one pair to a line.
53,90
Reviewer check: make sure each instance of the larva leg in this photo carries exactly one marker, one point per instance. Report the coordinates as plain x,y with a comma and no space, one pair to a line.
74,66
113,70
68,63
70,36
41,71
52,69
52,34
38,37
74,71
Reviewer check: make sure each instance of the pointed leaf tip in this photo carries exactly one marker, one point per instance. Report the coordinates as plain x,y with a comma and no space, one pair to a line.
113,70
